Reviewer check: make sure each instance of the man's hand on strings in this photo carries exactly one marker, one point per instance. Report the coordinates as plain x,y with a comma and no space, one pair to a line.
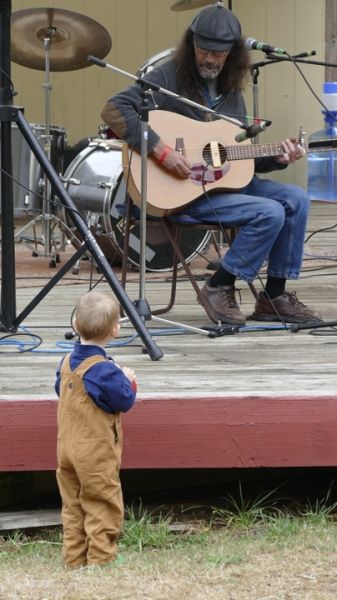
172,160
292,151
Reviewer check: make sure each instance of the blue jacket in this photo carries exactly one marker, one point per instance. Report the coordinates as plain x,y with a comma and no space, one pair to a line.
105,382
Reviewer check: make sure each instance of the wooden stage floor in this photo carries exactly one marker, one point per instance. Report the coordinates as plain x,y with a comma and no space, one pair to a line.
263,397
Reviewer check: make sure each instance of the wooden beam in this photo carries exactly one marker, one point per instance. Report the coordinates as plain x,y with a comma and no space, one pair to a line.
331,39
163,432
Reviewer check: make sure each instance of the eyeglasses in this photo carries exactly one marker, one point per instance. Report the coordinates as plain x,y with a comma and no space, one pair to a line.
216,53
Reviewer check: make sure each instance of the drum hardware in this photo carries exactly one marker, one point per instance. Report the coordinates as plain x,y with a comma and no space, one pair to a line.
53,39
155,61
9,320
189,4
47,219
28,180
94,180
72,37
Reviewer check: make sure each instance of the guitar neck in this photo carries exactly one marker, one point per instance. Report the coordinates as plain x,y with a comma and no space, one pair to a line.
238,152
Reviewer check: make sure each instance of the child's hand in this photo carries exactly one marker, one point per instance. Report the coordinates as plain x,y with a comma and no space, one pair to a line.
129,373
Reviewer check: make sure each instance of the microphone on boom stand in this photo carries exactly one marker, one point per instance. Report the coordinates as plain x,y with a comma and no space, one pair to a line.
250,131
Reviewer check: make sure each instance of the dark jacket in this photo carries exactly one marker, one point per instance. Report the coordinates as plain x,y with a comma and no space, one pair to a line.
122,110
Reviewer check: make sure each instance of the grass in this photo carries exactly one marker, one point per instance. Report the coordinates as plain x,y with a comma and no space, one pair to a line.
240,549
242,513
142,529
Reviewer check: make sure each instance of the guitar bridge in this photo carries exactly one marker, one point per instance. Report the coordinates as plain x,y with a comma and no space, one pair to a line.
180,146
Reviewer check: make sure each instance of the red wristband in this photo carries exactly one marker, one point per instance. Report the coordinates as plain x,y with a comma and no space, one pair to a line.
164,154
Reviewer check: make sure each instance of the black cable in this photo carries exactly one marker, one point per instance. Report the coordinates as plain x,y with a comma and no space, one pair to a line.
294,62
22,349
322,230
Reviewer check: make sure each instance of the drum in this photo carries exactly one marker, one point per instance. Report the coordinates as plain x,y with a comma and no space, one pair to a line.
104,131
155,61
28,172
95,183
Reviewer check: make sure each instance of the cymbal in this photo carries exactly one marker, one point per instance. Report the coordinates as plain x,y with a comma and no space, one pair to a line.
189,4
72,38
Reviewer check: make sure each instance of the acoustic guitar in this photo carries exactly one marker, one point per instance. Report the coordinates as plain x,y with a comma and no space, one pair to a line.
218,162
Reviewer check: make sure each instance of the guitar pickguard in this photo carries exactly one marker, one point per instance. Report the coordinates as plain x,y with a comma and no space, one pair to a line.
202,174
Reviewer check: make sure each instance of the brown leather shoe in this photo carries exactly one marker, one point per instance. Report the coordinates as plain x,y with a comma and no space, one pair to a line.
222,304
285,308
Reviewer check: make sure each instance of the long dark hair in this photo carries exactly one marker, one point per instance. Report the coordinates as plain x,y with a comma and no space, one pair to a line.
232,77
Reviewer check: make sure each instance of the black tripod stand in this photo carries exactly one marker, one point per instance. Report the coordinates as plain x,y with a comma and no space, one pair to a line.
9,321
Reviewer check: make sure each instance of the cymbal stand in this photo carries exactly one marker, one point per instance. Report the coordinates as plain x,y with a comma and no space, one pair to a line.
47,218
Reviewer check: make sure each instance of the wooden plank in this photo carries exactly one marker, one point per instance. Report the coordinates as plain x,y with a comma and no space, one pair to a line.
256,398
28,519
169,432
330,38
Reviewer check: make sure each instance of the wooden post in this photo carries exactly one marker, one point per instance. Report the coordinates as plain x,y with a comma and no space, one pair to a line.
331,39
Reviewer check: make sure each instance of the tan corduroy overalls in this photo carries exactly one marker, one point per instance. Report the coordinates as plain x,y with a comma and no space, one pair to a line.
89,448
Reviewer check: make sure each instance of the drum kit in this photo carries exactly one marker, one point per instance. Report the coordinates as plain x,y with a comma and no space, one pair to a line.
53,39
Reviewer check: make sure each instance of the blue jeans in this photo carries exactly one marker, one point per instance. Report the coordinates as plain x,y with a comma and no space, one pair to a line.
272,219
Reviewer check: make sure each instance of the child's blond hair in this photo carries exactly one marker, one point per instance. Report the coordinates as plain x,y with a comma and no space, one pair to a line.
96,314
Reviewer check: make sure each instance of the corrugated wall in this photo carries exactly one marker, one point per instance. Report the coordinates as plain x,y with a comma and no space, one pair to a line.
139,29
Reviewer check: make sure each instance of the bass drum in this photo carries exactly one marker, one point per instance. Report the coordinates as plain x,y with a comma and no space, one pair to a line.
95,183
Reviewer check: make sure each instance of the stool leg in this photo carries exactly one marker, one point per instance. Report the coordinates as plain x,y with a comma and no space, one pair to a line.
173,239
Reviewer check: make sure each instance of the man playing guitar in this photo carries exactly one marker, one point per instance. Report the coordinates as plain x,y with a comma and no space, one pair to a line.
210,67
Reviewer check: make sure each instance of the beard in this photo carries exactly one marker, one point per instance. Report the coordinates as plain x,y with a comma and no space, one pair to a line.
209,71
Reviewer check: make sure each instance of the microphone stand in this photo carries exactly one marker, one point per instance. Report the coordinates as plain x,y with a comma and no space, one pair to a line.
147,88
9,113
156,88
294,327
272,58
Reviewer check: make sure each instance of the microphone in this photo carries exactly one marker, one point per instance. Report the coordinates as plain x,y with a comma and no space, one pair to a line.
253,44
305,54
252,130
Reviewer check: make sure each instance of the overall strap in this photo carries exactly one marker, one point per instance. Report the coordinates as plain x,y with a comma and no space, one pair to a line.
86,364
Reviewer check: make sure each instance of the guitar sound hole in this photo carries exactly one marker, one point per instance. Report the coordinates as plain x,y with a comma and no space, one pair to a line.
208,157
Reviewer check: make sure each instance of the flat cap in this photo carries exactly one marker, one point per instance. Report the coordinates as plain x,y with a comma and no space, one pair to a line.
215,28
